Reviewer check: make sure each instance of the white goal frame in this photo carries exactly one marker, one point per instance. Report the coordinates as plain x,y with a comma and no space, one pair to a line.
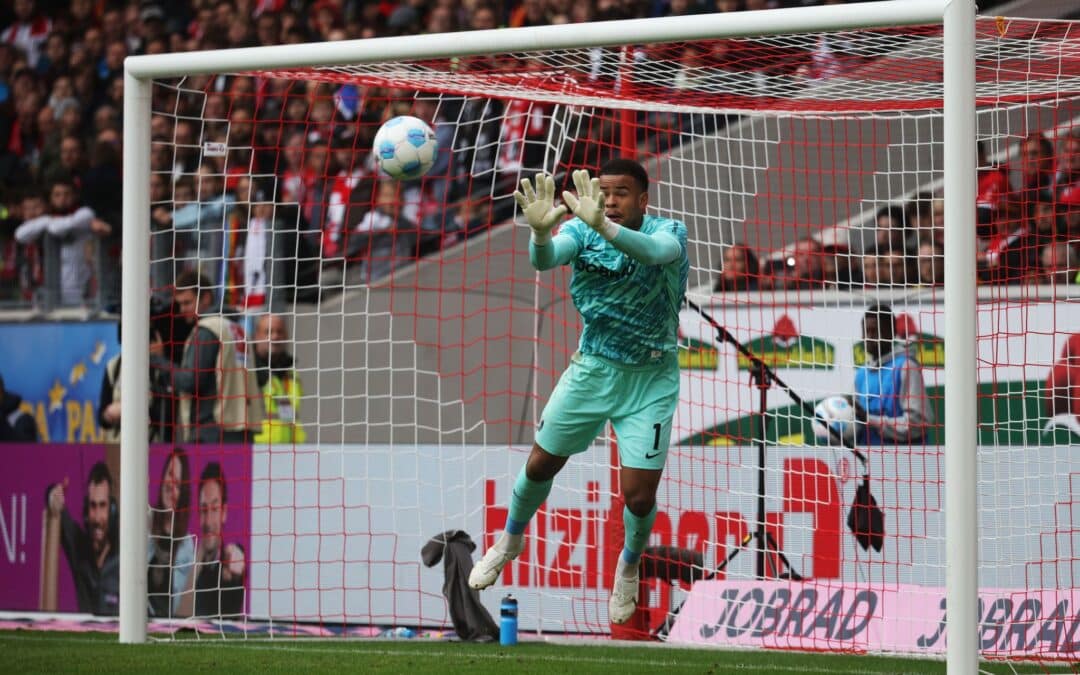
958,20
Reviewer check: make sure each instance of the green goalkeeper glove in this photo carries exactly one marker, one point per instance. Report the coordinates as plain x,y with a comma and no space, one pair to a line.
589,204
539,208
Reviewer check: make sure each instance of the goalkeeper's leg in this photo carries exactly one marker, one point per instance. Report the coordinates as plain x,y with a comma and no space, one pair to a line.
530,490
572,418
644,435
639,491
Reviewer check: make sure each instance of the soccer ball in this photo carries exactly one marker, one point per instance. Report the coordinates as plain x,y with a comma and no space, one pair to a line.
838,414
405,147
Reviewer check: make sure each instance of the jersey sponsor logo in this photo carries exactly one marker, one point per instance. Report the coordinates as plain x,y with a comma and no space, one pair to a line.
594,268
786,348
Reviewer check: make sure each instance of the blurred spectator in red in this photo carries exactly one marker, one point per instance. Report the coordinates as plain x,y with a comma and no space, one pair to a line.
1067,179
1067,183
1005,256
29,31
1037,172
529,13
738,270
991,191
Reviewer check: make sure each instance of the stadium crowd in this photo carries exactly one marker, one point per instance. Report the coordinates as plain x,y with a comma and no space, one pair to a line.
61,94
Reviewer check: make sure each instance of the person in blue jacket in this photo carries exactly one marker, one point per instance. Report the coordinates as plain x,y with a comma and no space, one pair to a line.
890,399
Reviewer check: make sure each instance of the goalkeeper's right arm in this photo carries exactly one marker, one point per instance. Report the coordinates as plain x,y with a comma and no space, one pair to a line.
559,250
538,206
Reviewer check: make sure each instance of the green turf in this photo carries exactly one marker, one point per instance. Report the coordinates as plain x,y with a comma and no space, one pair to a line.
37,652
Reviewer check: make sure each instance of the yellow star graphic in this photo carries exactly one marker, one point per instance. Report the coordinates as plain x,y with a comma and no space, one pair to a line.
78,372
98,353
56,396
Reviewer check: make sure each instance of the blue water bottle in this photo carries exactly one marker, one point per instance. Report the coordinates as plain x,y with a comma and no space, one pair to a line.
508,621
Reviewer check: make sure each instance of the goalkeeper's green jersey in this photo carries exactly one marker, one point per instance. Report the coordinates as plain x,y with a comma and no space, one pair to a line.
630,310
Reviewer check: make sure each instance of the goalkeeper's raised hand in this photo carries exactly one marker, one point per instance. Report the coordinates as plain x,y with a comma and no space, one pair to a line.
588,204
539,208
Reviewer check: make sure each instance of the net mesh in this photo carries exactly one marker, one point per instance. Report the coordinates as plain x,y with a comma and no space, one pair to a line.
422,345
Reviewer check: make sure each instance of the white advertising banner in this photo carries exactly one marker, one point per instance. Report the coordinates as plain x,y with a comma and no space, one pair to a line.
337,532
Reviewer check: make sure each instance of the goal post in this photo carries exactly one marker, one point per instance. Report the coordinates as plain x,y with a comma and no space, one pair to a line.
958,103
961,394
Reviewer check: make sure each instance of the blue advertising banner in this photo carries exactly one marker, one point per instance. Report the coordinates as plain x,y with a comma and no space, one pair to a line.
57,368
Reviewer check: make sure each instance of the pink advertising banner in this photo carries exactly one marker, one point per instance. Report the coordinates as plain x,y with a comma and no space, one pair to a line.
834,616
83,575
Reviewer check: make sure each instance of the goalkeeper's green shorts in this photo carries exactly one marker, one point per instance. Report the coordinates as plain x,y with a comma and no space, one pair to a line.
640,401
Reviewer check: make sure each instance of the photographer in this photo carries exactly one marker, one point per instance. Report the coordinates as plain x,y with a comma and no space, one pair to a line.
161,413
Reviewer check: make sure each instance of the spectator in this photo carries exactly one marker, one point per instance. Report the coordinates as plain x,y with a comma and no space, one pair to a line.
218,396
1045,223
205,219
92,551
68,164
171,551
890,400
738,270
160,398
800,265
1067,179
75,227
484,18
1058,264
16,425
1006,255
282,393
991,192
884,267
23,264
1037,172
216,590
891,224
919,218
29,31
931,264
383,235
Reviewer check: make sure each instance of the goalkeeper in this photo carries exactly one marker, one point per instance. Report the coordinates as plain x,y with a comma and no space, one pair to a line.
629,279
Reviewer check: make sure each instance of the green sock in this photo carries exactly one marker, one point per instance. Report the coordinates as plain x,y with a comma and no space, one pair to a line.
526,498
637,529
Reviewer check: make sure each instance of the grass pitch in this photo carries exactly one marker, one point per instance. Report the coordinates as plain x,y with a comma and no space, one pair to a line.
40,652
